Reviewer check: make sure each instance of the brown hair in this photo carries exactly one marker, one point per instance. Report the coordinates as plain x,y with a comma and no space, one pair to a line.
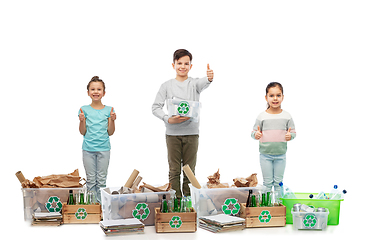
179,53
95,79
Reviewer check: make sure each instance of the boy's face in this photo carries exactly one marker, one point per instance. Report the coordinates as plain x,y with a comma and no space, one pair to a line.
182,67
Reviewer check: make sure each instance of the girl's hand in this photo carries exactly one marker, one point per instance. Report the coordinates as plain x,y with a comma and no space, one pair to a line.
81,116
288,136
112,115
209,73
258,134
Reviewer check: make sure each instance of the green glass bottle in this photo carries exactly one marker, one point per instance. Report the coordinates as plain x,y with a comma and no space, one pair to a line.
164,207
263,202
253,202
70,199
175,205
82,198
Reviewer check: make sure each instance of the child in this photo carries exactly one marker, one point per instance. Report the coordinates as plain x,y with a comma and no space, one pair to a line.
181,133
273,128
96,125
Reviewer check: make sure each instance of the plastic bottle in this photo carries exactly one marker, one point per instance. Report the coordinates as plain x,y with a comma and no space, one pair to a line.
285,192
320,195
335,191
339,196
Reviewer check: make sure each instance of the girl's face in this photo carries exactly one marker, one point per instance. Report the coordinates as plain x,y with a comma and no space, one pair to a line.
96,91
274,97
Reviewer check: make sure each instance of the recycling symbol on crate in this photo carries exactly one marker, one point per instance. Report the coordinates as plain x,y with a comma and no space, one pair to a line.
141,211
309,221
231,206
53,204
81,214
265,216
175,222
183,108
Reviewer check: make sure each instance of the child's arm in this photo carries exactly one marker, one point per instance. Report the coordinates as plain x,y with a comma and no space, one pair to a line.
257,131
111,124
291,133
203,83
82,118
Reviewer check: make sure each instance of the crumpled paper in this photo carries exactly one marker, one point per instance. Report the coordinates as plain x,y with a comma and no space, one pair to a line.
214,181
69,180
250,181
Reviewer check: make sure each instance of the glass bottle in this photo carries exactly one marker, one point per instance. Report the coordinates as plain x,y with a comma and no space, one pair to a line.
70,199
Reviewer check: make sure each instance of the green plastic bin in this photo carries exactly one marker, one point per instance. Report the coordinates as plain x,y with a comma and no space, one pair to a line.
303,198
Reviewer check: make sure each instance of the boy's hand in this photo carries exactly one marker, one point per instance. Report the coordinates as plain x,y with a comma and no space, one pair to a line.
258,134
177,119
288,136
209,73
112,115
81,116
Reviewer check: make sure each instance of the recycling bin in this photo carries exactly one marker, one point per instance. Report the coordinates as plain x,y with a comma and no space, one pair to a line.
184,108
310,221
211,201
332,205
44,200
135,205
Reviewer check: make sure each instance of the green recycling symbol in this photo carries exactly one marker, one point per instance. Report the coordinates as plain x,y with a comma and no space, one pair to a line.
183,108
310,220
81,214
265,216
141,211
53,204
175,222
227,207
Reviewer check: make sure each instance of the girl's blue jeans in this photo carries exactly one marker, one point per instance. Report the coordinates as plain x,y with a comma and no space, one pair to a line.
96,167
273,167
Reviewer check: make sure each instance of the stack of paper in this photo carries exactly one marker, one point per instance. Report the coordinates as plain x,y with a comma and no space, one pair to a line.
47,219
221,223
122,226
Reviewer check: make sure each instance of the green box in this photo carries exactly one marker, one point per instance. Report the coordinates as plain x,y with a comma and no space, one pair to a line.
303,198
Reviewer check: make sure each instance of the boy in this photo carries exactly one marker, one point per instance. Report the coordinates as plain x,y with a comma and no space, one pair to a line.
181,133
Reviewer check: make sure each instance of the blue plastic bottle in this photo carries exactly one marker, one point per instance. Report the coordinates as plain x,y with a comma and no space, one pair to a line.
285,192
335,191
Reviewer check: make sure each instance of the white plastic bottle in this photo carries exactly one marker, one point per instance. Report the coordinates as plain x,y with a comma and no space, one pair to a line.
320,195
285,192
339,196
335,191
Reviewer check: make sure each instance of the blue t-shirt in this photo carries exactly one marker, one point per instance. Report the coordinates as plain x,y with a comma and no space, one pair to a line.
96,138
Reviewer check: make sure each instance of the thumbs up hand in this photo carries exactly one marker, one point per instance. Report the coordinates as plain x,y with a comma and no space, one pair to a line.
209,73
112,115
81,116
258,134
288,136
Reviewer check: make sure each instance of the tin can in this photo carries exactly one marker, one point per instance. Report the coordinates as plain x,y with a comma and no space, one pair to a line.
306,208
297,207
320,209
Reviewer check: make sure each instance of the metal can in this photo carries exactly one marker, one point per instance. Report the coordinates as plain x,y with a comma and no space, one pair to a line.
320,209
297,207
306,208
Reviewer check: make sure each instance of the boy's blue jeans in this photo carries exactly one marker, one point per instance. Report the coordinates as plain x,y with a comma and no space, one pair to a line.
273,167
96,167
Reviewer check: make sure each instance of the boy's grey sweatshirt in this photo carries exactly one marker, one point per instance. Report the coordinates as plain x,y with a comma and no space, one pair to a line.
189,89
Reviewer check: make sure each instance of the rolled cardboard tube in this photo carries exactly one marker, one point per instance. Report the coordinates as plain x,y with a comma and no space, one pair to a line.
189,173
136,183
20,176
132,178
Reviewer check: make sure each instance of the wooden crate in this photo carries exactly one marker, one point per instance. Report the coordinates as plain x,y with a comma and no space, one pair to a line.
263,216
81,213
175,222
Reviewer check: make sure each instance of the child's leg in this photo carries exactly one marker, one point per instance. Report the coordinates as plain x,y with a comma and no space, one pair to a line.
190,149
174,151
101,171
279,168
266,162
89,161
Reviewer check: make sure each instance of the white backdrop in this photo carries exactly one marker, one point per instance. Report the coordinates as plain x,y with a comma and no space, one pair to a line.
318,50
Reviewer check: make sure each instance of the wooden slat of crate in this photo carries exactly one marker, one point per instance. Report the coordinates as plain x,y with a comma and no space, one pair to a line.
93,213
189,221
251,214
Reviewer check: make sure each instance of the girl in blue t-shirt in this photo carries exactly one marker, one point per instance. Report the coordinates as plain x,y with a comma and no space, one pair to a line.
96,125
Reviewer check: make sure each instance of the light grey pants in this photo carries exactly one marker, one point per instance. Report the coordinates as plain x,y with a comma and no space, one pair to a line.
273,167
96,168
